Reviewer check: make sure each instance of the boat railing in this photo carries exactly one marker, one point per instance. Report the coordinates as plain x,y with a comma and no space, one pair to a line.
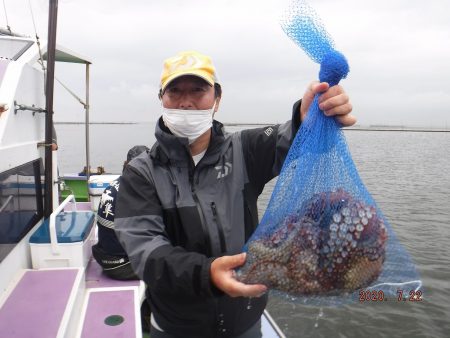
276,329
8,200
52,223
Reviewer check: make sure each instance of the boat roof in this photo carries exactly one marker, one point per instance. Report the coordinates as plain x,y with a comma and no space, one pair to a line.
63,54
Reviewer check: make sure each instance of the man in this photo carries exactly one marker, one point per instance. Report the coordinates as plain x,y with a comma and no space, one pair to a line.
188,206
108,252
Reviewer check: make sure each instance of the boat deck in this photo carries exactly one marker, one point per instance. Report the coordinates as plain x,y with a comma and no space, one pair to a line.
40,296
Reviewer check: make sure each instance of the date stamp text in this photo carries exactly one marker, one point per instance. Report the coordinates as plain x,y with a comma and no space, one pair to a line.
379,296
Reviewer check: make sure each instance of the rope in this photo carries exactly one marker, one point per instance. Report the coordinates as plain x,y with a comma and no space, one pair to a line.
6,16
71,93
41,59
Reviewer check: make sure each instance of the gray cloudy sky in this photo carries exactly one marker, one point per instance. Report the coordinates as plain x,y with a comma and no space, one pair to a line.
398,52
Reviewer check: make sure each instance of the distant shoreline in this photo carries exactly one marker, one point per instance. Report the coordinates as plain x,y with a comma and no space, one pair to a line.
406,129
354,128
360,128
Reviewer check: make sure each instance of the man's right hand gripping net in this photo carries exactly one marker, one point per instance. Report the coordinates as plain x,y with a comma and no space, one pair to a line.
322,237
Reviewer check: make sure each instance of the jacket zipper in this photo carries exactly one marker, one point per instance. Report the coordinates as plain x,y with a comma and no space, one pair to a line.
202,219
223,246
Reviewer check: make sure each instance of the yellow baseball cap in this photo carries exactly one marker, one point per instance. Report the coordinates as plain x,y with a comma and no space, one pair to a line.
188,63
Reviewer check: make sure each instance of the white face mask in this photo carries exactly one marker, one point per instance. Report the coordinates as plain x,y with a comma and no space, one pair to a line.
188,123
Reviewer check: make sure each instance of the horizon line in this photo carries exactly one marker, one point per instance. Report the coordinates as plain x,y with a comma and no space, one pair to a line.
372,127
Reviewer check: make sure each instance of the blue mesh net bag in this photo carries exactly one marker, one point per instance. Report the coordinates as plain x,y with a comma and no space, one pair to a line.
322,238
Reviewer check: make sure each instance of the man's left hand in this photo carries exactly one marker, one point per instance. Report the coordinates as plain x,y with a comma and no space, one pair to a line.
222,276
333,101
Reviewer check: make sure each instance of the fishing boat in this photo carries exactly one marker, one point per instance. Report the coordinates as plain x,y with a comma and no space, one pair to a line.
49,284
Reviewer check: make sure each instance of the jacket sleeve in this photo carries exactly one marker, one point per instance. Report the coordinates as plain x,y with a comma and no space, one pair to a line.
266,148
140,228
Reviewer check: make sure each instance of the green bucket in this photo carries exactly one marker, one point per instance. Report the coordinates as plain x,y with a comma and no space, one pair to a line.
76,185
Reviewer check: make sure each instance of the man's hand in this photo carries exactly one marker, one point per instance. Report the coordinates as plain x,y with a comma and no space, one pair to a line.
3,107
333,102
222,275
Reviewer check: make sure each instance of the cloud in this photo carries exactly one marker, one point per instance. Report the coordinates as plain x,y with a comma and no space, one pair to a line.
397,52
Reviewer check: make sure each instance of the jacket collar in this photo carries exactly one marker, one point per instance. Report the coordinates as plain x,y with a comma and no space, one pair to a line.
174,149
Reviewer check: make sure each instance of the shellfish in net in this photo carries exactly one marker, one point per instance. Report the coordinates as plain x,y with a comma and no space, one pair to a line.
334,244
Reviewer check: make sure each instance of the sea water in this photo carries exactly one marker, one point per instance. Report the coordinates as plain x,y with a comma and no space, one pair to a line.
407,173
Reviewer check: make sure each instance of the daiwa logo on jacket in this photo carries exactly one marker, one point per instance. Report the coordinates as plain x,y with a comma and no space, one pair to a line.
224,170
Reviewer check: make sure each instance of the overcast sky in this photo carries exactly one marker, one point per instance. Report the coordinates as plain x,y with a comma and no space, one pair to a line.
398,52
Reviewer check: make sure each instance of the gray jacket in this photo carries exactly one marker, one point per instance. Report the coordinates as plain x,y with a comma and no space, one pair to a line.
174,218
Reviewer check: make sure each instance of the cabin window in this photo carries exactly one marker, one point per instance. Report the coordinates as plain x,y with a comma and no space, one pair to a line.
12,49
21,204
